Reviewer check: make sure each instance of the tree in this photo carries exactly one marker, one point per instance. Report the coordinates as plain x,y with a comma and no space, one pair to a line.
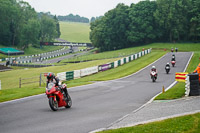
7,11
48,29
172,16
57,27
194,20
109,32
142,28
31,33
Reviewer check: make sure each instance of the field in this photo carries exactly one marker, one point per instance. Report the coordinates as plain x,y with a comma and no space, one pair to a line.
75,32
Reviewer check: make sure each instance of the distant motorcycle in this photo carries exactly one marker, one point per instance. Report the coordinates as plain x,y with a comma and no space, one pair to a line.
56,97
167,68
153,76
173,63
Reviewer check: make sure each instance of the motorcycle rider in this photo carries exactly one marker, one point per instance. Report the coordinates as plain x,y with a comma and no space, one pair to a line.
167,65
52,78
172,50
173,58
176,49
154,69
197,70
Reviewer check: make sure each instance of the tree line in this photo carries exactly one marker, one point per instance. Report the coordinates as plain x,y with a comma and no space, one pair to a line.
147,22
21,25
73,18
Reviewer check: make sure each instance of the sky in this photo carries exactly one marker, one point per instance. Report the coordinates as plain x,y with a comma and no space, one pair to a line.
84,8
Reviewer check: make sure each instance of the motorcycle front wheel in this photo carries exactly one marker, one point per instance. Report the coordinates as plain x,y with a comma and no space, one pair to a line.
153,79
69,102
53,104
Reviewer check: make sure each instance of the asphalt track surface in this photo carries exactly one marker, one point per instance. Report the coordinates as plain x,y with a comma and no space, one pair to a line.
94,106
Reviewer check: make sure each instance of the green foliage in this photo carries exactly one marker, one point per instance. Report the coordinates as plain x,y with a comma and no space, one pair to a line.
48,29
142,26
109,32
183,124
21,26
73,18
145,22
175,92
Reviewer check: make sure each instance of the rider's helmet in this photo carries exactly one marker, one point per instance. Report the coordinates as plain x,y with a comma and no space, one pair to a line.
50,76
167,63
153,67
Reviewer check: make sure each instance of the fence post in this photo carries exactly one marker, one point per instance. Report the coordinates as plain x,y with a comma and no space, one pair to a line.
20,82
40,80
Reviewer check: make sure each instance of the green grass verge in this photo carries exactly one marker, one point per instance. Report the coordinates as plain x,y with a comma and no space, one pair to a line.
182,47
75,32
175,92
183,124
106,55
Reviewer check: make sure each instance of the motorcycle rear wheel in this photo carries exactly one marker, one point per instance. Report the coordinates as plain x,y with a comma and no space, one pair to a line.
53,104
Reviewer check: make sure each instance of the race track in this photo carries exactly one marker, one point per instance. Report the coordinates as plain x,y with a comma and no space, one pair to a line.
94,106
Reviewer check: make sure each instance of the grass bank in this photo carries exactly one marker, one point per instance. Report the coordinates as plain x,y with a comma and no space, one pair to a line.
75,32
183,124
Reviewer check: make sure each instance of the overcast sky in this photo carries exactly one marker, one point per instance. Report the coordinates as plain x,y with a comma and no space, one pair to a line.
84,8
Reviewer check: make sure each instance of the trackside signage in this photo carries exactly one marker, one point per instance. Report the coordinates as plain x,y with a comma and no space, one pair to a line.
104,67
66,44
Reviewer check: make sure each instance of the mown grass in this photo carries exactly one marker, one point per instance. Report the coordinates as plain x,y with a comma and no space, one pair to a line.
183,124
10,79
181,46
178,90
75,32
106,55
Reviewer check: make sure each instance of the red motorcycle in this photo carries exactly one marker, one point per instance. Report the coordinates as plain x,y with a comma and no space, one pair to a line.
173,63
56,97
